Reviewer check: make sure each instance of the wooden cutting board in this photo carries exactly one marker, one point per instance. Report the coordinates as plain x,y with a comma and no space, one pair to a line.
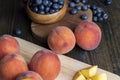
69,66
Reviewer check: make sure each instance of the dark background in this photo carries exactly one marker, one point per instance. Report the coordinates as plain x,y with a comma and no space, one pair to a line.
106,56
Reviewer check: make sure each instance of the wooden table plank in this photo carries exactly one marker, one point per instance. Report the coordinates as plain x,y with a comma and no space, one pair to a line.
106,56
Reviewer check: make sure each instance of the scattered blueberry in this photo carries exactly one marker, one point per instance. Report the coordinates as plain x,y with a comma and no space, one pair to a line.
108,2
95,18
84,17
74,11
105,16
99,10
98,14
76,1
94,12
78,8
84,7
93,7
84,1
17,32
88,5
100,19
71,4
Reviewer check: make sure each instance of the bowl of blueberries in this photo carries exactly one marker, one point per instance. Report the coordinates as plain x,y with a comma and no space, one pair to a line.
46,11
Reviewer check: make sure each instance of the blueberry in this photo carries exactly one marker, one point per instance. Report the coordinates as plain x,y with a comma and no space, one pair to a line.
98,14
99,10
84,8
95,18
41,7
78,8
84,1
93,7
108,2
105,15
35,9
41,12
71,4
100,19
38,2
88,6
56,6
84,17
55,1
47,9
17,32
50,4
56,10
60,6
33,4
52,11
61,2
94,12
74,11
45,2
76,1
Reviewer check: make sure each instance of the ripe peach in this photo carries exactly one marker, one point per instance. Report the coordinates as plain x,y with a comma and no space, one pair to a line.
46,63
8,45
12,65
88,35
61,40
29,75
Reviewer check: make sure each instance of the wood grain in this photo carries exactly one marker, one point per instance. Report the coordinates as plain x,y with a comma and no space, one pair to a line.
69,66
41,31
106,56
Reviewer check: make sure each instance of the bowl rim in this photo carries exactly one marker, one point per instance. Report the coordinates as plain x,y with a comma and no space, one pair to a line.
64,5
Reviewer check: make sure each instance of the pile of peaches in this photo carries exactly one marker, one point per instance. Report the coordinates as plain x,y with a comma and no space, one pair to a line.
45,64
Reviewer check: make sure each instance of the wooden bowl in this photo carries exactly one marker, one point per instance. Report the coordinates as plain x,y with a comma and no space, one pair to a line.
46,18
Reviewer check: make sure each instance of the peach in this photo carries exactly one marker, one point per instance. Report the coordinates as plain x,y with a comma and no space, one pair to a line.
8,45
29,75
46,63
12,65
61,40
88,35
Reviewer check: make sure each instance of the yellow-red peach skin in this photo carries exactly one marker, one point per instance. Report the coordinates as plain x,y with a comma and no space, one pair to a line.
88,35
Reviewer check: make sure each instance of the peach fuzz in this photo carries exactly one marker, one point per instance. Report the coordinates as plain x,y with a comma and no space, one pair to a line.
46,63
29,75
11,66
8,45
61,40
88,35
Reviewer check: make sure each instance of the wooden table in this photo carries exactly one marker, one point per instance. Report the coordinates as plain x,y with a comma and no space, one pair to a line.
106,56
